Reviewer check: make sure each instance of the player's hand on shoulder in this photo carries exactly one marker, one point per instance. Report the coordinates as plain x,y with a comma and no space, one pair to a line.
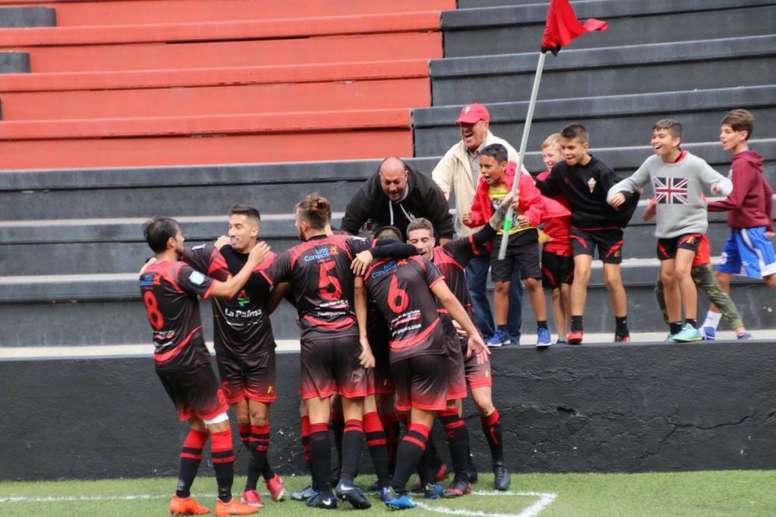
259,252
716,189
361,262
222,241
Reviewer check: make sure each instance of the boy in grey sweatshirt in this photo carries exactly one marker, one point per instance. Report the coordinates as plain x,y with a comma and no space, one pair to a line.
678,178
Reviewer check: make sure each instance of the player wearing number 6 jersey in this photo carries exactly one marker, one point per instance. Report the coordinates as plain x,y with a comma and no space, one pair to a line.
335,352
402,290
170,289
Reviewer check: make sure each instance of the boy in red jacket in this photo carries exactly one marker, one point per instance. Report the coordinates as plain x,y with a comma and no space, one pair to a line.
749,250
557,255
497,177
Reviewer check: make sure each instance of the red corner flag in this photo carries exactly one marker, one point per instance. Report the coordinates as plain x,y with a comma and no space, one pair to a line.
563,27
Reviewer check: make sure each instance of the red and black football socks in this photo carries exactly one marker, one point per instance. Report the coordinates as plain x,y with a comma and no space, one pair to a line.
376,443
392,432
458,441
305,434
261,446
320,451
491,426
411,449
352,444
191,456
248,441
222,456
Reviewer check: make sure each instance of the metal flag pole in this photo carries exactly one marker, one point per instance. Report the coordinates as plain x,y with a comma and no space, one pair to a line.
502,252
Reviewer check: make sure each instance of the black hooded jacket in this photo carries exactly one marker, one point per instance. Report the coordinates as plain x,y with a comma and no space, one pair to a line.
424,199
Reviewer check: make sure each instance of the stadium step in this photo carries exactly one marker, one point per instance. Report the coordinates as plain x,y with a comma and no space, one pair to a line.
243,29
518,28
12,62
96,13
229,54
221,99
28,16
241,138
613,120
81,309
70,194
716,63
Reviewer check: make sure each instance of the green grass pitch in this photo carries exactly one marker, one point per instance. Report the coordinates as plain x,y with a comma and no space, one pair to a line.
707,494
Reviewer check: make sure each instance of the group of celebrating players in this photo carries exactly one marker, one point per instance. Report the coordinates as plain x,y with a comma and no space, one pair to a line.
386,337
386,330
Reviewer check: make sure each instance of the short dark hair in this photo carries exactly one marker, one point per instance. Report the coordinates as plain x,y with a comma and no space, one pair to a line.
315,210
247,211
495,151
575,130
740,120
158,231
671,125
421,223
387,233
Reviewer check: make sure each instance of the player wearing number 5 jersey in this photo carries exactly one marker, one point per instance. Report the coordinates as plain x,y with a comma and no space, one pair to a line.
170,289
335,352
402,290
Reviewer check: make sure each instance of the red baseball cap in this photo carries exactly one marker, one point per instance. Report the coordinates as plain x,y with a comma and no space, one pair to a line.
473,113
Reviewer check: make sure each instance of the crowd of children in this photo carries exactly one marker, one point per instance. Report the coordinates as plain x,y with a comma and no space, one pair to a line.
578,206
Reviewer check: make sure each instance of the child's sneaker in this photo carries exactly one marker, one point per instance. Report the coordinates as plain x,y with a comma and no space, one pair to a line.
575,337
499,339
252,498
709,333
688,334
743,336
543,338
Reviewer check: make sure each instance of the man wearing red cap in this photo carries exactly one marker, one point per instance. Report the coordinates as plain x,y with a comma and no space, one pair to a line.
459,172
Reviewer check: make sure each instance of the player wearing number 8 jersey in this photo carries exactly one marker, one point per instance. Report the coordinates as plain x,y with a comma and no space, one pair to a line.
170,289
334,349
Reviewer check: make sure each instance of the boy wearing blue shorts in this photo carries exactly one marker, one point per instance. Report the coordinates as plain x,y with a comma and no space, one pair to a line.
748,250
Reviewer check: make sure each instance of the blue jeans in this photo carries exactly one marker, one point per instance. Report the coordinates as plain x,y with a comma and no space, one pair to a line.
476,281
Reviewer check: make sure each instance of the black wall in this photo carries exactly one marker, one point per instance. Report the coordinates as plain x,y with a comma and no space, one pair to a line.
588,408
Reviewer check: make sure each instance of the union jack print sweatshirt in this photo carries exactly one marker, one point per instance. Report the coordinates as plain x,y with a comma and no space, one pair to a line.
678,188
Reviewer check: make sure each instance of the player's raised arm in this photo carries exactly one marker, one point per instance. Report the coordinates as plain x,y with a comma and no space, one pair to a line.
231,287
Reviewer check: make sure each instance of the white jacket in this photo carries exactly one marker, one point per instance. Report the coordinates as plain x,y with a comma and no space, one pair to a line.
453,174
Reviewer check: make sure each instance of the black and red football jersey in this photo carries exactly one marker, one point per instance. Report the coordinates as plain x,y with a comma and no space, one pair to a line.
401,291
321,281
242,324
451,259
170,291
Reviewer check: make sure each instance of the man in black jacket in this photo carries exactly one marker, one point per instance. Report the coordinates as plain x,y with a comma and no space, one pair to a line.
395,196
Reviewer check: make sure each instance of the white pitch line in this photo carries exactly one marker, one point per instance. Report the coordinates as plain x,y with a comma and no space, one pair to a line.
77,498
545,499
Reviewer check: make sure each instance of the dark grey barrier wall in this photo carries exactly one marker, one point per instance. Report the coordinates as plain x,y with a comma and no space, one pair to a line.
589,408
